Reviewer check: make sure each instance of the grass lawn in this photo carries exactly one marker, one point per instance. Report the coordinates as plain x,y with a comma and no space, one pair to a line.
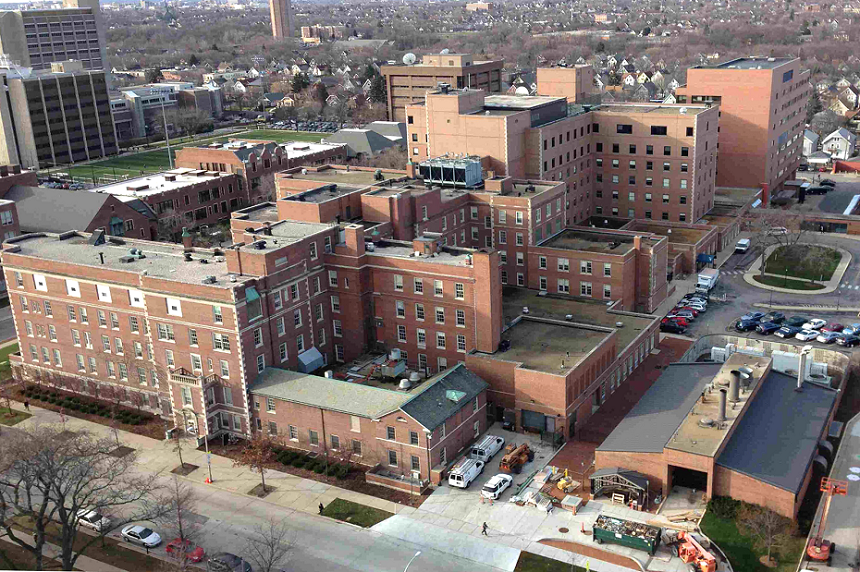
789,283
13,555
740,549
5,369
530,562
114,552
355,513
280,136
17,417
802,261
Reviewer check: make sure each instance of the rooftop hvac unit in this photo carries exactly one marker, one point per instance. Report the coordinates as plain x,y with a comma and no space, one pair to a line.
465,172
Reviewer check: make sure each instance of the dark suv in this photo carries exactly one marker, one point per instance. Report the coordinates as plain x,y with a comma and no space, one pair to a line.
226,562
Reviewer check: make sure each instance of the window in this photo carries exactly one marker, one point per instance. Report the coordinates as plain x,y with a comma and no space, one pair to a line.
585,267
683,200
337,327
649,149
647,197
585,288
665,183
335,442
261,363
186,396
440,315
392,458
488,222
401,333
418,286
335,306
437,287
277,300
273,428
221,342
542,283
356,447
667,150
168,358
165,332
217,316
133,324
658,130
607,269
665,216
624,129
473,213
563,285
52,333
685,151
615,148
196,363
542,262
461,343
297,316
313,438
521,279
461,317
332,278
667,167
225,369
118,345
313,250
689,131
300,343
258,337
422,338
519,217
459,291
270,404
102,318
398,283
440,340
683,183
49,311
519,239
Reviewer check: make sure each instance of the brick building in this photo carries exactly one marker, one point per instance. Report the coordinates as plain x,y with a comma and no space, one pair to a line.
740,429
405,431
180,198
575,83
256,162
762,105
407,84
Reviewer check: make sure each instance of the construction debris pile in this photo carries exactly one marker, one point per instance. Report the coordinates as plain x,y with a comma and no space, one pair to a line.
627,528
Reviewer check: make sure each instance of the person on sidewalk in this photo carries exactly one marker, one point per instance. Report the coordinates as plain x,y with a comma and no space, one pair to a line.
27,405
484,529
321,508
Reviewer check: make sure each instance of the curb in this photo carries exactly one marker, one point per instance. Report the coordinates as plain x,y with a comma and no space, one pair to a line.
832,283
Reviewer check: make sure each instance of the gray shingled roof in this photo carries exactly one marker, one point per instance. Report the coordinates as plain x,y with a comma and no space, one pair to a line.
656,417
54,210
362,141
778,436
325,393
389,129
432,406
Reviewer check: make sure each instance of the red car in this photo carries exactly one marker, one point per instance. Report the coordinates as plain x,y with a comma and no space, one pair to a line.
677,320
693,310
833,327
193,552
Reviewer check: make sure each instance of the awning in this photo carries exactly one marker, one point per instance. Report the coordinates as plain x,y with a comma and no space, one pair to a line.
705,258
310,360
251,294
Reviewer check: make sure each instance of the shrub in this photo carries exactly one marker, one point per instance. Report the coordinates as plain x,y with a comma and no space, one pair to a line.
342,472
319,468
724,507
299,461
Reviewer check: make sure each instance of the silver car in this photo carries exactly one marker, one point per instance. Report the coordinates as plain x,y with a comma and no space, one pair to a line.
141,535
93,520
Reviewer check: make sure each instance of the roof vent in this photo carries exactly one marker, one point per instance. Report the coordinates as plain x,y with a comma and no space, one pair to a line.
187,256
233,278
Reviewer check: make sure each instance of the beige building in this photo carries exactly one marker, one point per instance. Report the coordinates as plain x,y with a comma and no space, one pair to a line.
408,84
576,83
36,38
281,13
56,116
480,6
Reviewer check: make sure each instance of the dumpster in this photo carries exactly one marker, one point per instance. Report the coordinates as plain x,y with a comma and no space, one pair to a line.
626,533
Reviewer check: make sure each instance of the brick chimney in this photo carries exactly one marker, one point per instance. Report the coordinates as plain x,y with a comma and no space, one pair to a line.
187,239
354,239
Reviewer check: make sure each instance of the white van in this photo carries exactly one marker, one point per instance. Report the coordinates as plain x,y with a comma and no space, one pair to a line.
465,472
742,245
484,449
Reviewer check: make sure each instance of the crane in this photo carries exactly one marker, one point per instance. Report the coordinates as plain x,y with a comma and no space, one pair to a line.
693,553
819,549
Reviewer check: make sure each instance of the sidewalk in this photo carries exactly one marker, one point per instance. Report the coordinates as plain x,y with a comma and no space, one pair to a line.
829,285
83,562
292,492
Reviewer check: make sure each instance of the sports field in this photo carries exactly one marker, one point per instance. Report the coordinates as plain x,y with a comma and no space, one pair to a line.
129,166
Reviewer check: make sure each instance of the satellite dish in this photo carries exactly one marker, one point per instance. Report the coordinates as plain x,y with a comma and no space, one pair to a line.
445,51
409,59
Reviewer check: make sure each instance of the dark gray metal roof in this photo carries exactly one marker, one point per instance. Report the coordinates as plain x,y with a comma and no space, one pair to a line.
362,141
653,421
433,406
55,210
637,479
778,436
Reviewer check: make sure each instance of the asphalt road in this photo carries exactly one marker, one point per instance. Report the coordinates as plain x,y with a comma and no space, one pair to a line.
7,326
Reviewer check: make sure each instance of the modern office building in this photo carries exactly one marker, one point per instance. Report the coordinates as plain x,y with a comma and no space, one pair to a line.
56,116
37,38
762,105
407,84
142,109
281,14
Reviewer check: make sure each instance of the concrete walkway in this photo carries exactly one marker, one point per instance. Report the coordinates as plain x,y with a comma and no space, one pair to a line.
83,562
829,285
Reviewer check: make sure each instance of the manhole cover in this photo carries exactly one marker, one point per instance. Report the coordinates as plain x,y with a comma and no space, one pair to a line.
563,530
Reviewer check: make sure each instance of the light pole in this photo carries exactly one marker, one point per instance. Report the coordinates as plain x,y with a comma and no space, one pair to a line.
206,446
417,554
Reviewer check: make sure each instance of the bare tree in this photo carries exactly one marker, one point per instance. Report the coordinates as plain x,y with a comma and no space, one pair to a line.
775,227
258,453
47,479
269,546
180,520
770,531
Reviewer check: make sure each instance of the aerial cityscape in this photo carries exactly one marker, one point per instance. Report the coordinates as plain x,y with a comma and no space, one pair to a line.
305,286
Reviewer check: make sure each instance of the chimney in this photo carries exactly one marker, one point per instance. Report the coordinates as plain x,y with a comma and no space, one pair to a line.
411,170
801,369
354,239
187,239
637,243
721,416
734,386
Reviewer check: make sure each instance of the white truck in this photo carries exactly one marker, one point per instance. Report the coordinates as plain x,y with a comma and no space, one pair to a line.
707,279
484,449
464,472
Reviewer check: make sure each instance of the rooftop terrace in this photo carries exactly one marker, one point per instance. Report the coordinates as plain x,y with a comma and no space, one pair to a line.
550,347
591,241
162,260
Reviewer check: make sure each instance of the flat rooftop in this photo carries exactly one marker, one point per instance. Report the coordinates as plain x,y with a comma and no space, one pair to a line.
160,182
592,312
343,176
298,149
697,433
162,260
549,347
651,109
519,102
262,212
753,63
287,232
588,241
449,255
735,195
324,193
680,234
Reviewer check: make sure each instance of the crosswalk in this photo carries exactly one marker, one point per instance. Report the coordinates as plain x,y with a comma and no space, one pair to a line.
847,286
733,272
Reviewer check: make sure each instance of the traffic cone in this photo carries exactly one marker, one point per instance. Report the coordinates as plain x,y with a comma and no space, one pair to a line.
207,481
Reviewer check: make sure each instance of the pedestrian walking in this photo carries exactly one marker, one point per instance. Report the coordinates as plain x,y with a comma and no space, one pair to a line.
27,405
321,508
484,529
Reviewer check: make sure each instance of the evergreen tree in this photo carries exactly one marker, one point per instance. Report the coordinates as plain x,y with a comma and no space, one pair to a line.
377,89
300,82
815,105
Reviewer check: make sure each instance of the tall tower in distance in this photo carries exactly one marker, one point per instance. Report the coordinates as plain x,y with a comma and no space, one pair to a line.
282,18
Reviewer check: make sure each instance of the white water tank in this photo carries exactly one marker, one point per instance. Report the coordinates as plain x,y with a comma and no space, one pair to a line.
414,377
404,384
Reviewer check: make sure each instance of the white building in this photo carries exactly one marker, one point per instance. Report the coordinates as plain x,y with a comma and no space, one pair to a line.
840,144
810,142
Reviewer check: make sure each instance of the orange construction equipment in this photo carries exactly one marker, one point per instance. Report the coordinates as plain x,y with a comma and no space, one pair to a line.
691,552
514,460
819,549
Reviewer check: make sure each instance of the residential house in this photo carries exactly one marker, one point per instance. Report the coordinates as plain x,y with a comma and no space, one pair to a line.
840,144
810,142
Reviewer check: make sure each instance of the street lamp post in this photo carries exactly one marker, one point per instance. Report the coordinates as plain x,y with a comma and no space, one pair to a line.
785,278
206,446
417,554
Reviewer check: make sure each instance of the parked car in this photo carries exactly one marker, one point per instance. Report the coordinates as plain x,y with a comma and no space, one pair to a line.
848,341
805,335
775,317
137,534
828,337
688,309
787,331
745,325
694,298
93,519
683,314
677,320
796,321
496,486
697,306
226,562
851,330
827,183
814,324
835,327
671,327
803,167
755,316
177,547
767,328
818,190
776,230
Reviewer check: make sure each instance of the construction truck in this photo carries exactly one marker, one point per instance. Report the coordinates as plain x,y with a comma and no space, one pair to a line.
515,457
691,552
819,549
